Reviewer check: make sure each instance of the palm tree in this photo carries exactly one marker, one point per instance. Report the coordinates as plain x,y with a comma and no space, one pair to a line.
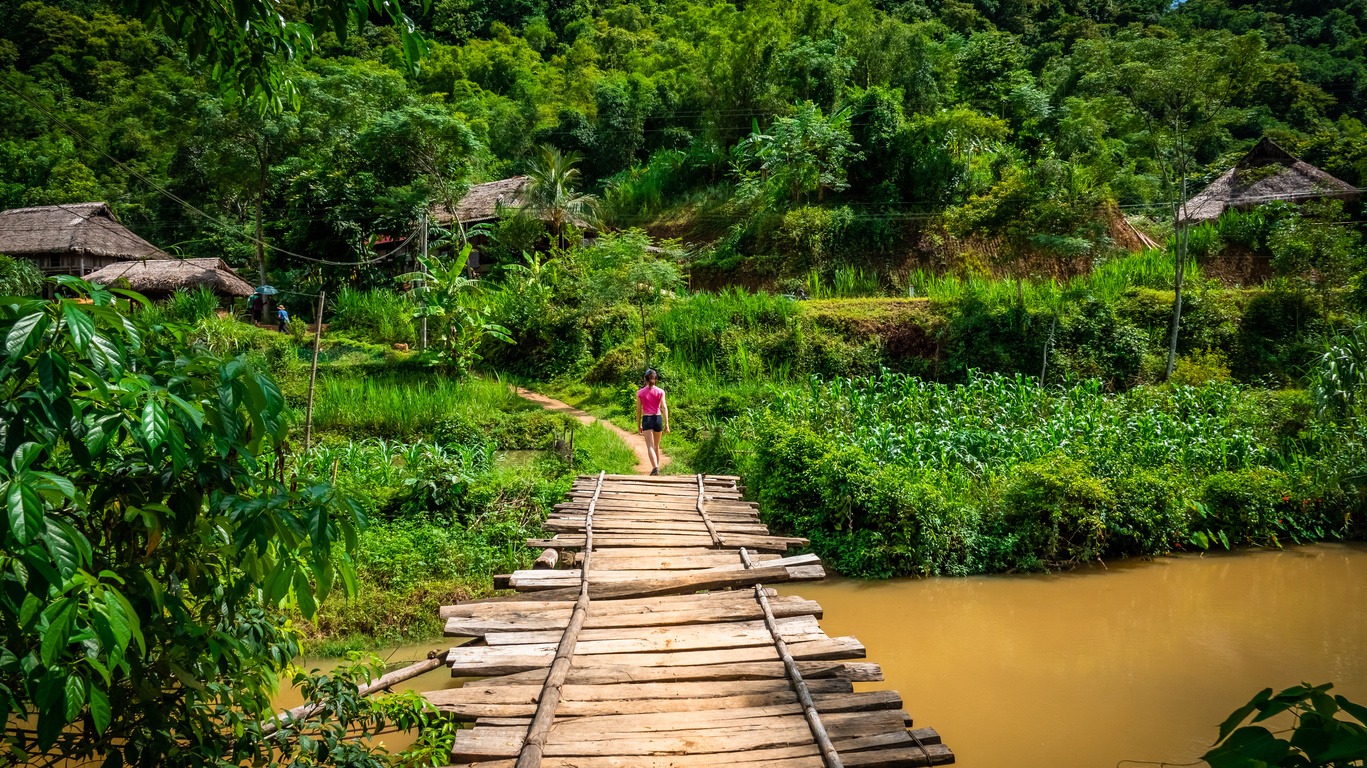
551,192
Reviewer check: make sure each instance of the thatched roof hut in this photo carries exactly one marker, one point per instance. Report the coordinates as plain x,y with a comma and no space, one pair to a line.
483,201
1265,174
72,239
160,278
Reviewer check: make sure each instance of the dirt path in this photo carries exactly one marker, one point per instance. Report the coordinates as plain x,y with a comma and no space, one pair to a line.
635,441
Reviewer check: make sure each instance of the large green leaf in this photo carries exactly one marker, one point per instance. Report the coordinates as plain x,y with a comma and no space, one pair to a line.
25,510
24,335
99,709
57,634
61,543
80,325
1243,712
1248,747
1358,711
75,697
303,593
155,425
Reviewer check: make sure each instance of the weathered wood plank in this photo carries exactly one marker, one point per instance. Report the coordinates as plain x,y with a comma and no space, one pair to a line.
471,707
599,737
635,639
483,661
539,602
458,626
802,567
611,674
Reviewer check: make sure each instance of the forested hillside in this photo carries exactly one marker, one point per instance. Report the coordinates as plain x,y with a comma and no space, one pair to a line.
785,137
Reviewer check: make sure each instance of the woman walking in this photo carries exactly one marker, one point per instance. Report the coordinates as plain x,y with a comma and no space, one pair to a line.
652,417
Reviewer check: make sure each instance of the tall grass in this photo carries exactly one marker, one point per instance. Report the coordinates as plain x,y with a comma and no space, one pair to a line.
640,193
845,283
601,449
184,306
402,405
1108,280
376,315
702,326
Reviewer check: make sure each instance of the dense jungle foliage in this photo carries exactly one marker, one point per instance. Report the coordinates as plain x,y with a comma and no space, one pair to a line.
788,137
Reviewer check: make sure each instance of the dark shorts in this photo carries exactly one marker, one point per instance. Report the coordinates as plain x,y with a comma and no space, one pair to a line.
654,423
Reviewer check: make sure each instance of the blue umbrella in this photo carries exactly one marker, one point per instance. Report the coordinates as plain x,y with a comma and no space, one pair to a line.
266,290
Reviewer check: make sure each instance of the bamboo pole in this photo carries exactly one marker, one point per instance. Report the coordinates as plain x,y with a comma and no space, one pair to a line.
804,696
303,711
313,372
540,727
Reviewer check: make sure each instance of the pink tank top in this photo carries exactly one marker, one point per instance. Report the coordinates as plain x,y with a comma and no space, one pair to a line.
650,399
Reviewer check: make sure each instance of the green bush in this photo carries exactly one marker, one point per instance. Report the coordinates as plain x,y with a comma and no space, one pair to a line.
1200,368
1148,514
1279,336
1056,513
1247,506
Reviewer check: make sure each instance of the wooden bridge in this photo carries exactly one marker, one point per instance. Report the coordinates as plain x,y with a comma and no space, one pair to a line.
659,644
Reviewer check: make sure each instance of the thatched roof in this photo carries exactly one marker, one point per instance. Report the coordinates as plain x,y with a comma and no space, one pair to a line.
88,229
1265,174
482,202
166,276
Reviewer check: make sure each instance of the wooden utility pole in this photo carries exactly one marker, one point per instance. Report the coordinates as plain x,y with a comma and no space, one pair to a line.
313,373
1179,246
423,245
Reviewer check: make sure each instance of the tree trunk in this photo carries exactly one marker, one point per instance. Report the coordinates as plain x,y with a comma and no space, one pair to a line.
260,236
645,342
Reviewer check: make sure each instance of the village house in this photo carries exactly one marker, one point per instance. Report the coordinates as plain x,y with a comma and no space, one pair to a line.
158,279
71,239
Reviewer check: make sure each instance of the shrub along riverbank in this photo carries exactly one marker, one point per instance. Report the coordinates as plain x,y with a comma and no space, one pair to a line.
895,475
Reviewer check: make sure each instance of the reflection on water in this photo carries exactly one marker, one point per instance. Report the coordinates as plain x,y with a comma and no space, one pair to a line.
1137,661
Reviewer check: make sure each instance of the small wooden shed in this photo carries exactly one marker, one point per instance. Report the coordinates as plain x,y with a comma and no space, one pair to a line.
157,279
1267,173
71,239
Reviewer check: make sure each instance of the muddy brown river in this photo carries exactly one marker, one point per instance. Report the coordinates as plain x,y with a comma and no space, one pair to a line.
1137,661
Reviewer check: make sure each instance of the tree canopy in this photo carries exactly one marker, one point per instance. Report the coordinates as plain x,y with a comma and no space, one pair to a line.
883,114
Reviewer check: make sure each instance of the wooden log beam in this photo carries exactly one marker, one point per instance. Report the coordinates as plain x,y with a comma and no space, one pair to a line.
804,694
547,559
702,512
534,741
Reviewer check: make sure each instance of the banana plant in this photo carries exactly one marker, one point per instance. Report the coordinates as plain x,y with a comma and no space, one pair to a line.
457,319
